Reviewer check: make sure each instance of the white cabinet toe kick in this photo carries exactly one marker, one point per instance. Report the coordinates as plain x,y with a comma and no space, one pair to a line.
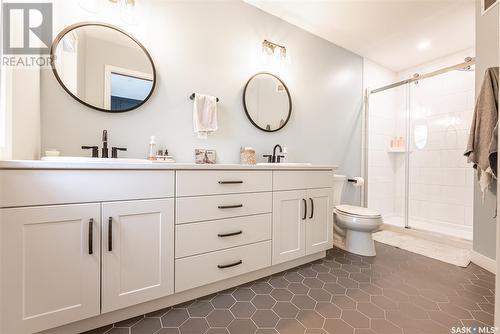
81,249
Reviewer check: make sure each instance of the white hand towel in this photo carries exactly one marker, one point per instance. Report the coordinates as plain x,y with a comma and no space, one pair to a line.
204,115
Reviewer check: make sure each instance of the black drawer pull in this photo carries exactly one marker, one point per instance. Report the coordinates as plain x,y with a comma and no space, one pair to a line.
110,234
305,209
230,182
312,208
222,266
229,234
91,236
230,206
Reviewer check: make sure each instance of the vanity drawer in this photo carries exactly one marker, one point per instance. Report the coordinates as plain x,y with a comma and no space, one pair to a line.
194,183
197,238
54,186
192,209
291,180
220,265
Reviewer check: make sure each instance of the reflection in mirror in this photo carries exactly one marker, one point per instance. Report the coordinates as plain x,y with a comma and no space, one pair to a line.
103,67
420,135
267,102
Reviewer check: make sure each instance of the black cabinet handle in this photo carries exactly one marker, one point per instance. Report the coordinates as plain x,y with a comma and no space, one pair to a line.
222,266
91,236
230,182
230,206
305,209
110,234
229,234
312,208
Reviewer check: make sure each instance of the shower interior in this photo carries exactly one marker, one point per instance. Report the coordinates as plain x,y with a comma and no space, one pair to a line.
425,183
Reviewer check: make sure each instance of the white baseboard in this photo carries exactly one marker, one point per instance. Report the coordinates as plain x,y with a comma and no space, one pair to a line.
484,262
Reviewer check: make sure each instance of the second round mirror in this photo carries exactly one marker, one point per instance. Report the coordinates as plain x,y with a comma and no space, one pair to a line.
267,102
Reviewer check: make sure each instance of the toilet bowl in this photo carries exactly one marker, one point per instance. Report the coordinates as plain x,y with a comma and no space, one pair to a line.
354,225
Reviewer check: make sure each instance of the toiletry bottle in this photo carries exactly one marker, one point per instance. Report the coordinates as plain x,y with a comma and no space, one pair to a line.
152,148
401,142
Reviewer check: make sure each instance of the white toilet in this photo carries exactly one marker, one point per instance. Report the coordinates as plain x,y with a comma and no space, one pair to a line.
354,225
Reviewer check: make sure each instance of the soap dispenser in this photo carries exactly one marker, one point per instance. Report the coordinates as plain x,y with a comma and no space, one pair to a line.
285,154
152,148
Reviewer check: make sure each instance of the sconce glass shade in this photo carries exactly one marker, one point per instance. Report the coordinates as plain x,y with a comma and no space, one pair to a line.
128,12
92,6
273,54
266,53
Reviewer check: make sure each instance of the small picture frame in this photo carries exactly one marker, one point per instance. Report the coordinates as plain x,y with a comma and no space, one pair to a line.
486,5
202,156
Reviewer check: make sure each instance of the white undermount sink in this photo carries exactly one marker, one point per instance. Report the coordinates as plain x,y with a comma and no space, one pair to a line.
86,160
285,164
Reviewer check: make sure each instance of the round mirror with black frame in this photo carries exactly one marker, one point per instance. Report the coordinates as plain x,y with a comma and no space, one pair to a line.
267,102
103,67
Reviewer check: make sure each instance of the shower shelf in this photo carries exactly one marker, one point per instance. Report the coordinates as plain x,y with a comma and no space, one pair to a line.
396,150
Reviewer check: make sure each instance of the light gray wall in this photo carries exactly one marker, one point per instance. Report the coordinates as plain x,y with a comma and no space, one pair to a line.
487,55
213,47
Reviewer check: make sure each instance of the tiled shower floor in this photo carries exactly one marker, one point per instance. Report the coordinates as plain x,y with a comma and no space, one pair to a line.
395,292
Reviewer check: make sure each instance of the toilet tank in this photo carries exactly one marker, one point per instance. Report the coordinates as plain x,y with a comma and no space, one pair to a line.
338,187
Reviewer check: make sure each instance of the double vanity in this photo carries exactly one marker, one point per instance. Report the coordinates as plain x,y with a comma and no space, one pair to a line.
85,244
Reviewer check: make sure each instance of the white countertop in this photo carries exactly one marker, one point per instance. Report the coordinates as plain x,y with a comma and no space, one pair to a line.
39,164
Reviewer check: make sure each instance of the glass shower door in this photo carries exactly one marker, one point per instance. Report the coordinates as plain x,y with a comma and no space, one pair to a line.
386,147
440,183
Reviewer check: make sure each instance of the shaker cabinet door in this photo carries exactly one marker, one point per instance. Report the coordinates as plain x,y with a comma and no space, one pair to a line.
137,252
289,225
51,266
319,226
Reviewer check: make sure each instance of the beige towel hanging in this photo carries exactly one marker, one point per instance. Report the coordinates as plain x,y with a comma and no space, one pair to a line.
482,147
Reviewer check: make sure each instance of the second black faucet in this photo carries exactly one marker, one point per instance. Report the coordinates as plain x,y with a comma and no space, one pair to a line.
105,150
275,158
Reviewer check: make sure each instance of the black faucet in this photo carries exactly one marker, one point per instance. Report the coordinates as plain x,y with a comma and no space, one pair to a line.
104,152
274,158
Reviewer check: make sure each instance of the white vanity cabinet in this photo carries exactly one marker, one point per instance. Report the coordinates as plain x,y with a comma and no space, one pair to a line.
302,219
137,252
50,266
138,239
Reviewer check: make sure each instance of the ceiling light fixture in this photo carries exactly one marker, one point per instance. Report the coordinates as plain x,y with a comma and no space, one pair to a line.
127,8
424,45
273,53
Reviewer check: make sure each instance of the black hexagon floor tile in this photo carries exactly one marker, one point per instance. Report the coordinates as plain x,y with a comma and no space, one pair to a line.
394,292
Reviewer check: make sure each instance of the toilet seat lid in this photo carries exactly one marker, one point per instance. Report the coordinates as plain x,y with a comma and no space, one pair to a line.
358,211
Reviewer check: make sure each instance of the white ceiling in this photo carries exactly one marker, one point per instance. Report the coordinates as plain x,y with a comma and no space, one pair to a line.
385,31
